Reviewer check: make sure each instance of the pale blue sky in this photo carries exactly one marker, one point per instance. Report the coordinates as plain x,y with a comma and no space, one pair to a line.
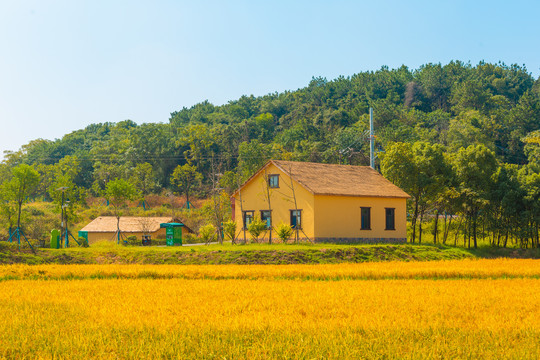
65,64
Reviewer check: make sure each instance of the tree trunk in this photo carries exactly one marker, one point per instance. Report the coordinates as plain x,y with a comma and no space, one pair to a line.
118,229
266,179
413,220
420,226
241,205
467,234
475,217
19,203
537,235
457,230
447,230
295,206
435,226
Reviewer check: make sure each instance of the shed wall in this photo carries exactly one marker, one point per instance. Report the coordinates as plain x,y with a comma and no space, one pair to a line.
111,236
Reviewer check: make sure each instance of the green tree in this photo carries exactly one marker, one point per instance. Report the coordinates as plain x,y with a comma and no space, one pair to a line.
284,232
8,210
24,181
184,178
419,169
435,86
144,179
504,213
265,126
474,167
467,129
73,197
199,140
118,192
105,173
63,176
256,227
229,230
532,149
7,205
253,155
207,233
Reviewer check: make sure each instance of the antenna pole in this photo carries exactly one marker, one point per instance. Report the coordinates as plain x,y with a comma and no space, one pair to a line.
371,140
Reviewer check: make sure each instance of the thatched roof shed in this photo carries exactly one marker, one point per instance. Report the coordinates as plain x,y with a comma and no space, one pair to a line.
104,227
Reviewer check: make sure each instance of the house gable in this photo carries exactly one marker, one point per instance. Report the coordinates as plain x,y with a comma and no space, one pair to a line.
253,196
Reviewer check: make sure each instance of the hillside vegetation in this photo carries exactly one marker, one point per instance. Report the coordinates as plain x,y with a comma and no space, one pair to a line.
251,254
462,140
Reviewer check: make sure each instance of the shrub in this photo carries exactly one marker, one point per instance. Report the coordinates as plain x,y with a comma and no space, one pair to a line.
284,232
229,229
83,242
132,240
105,244
207,233
256,227
190,238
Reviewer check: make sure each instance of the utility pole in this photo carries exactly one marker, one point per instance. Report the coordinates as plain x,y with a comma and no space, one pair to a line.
66,204
371,140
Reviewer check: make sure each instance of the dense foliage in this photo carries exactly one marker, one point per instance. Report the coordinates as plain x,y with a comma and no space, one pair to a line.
469,138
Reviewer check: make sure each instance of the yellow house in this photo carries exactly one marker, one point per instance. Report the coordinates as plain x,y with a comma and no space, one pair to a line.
327,203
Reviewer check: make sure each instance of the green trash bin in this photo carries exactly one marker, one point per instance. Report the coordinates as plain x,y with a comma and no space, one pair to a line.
55,239
173,233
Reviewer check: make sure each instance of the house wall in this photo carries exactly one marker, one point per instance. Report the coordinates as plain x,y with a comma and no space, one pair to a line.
111,236
337,219
254,197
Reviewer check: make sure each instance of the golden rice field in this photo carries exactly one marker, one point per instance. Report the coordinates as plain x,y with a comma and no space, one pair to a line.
488,309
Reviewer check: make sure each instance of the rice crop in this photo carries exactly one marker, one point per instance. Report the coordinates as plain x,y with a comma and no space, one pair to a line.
482,309
450,269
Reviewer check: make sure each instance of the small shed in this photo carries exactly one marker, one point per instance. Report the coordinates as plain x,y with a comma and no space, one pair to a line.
104,227
173,233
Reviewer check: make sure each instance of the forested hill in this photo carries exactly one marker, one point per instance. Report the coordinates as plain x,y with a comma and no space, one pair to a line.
455,105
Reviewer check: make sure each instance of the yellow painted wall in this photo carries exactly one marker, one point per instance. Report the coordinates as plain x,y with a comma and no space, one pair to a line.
282,201
111,236
339,217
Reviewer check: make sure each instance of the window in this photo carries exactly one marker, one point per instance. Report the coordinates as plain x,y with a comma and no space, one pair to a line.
296,219
390,219
248,218
273,181
365,218
266,216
